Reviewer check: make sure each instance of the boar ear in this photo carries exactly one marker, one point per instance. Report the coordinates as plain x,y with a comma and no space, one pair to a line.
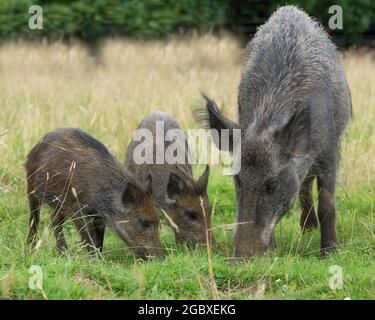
211,117
295,137
203,180
132,194
148,184
176,186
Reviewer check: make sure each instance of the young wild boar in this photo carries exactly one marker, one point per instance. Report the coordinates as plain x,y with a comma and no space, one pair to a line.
172,185
294,104
78,177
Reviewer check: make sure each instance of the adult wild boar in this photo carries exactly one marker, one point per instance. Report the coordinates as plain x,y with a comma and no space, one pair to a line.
172,185
78,177
294,104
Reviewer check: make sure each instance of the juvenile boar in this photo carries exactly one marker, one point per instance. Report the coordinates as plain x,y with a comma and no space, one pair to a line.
79,178
294,104
172,185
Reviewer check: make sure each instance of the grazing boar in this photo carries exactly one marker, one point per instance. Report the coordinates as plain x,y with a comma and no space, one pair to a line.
294,104
78,177
183,199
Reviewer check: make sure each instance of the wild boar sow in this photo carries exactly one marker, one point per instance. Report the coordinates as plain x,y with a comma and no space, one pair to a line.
172,185
294,104
78,177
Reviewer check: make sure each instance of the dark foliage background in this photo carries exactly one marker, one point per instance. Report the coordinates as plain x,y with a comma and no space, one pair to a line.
93,19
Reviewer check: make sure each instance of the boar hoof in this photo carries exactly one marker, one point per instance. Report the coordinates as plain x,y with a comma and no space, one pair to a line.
326,250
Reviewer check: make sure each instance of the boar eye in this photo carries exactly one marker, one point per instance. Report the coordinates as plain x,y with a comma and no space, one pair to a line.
191,215
145,223
270,186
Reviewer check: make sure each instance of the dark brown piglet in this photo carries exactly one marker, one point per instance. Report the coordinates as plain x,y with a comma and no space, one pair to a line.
79,178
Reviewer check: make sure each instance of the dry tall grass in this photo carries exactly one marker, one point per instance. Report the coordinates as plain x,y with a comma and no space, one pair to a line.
44,86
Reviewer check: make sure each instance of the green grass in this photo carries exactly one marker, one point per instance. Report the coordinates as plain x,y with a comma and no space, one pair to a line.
293,271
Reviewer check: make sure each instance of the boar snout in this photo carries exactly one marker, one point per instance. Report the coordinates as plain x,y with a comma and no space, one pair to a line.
155,253
193,240
149,252
142,245
251,241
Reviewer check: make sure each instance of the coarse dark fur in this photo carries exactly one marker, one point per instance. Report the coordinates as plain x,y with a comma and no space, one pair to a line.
79,178
172,185
294,104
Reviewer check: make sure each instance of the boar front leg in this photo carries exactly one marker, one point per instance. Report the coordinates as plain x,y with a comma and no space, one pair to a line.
85,227
99,228
91,227
326,207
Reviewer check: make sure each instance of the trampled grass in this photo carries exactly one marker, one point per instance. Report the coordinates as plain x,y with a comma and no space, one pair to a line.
44,86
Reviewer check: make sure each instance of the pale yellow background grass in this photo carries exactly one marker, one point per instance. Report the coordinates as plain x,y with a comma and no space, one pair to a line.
44,86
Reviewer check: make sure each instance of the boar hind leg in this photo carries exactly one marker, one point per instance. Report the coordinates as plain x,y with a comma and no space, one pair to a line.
326,208
58,219
85,228
308,219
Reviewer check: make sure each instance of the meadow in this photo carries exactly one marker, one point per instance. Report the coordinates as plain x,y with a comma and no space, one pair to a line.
44,86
